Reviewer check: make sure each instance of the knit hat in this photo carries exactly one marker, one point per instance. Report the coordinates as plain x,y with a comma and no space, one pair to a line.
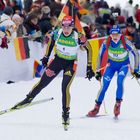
115,29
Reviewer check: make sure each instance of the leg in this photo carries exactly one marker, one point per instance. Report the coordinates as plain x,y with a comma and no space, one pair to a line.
109,73
107,77
68,77
119,93
120,80
49,74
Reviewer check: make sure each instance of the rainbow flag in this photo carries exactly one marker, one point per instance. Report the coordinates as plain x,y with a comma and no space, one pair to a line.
21,48
95,45
38,69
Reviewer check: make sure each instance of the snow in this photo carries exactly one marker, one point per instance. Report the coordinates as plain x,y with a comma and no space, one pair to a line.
43,121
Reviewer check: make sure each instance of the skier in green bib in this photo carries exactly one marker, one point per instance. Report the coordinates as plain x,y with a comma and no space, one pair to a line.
118,48
67,42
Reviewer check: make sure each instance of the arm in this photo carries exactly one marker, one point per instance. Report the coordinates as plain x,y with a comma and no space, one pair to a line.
89,54
89,72
131,48
49,49
82,41
86,45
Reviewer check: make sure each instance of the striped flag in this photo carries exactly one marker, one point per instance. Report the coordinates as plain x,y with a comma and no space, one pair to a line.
95,44
21,48
69,9
38,69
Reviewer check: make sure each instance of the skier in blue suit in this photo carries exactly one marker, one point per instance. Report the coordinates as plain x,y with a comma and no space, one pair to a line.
118,48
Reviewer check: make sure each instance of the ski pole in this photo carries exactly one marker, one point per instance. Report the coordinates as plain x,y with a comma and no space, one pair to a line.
104,67
137,80
105,110
103,101
131,71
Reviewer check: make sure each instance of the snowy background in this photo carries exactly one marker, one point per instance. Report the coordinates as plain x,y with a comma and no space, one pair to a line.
43,121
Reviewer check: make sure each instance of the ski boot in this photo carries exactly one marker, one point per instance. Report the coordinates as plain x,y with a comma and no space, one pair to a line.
65,119
94,111
23,103
117,108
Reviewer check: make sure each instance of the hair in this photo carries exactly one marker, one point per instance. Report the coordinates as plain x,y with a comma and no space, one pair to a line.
37,11
15,16
31,16
8,11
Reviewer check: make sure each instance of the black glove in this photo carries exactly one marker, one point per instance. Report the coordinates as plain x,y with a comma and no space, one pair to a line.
136,74
98,76
90,73
44,61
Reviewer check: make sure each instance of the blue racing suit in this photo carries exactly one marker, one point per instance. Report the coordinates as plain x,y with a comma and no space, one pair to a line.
118,61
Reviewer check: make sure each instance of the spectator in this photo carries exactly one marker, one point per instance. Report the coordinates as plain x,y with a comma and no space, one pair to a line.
19,3
7,21
2,6
16,19
102,25
117,9
121,22
38,12
27,5
8,2
104,9
47,2
87,32
89,18
15,7
32,27
94,32
56,8
44,23
129,9
133,34
3,39
21,31
138,16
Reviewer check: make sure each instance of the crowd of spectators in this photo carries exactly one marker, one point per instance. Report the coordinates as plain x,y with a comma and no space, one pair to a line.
100,18
33,21
35,18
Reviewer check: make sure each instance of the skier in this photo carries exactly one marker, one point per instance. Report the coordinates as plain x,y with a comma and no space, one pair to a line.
118,48
67,42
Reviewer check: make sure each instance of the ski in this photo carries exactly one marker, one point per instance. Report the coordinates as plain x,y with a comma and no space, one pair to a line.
26,105
100,115
87,117
116,119
66,126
